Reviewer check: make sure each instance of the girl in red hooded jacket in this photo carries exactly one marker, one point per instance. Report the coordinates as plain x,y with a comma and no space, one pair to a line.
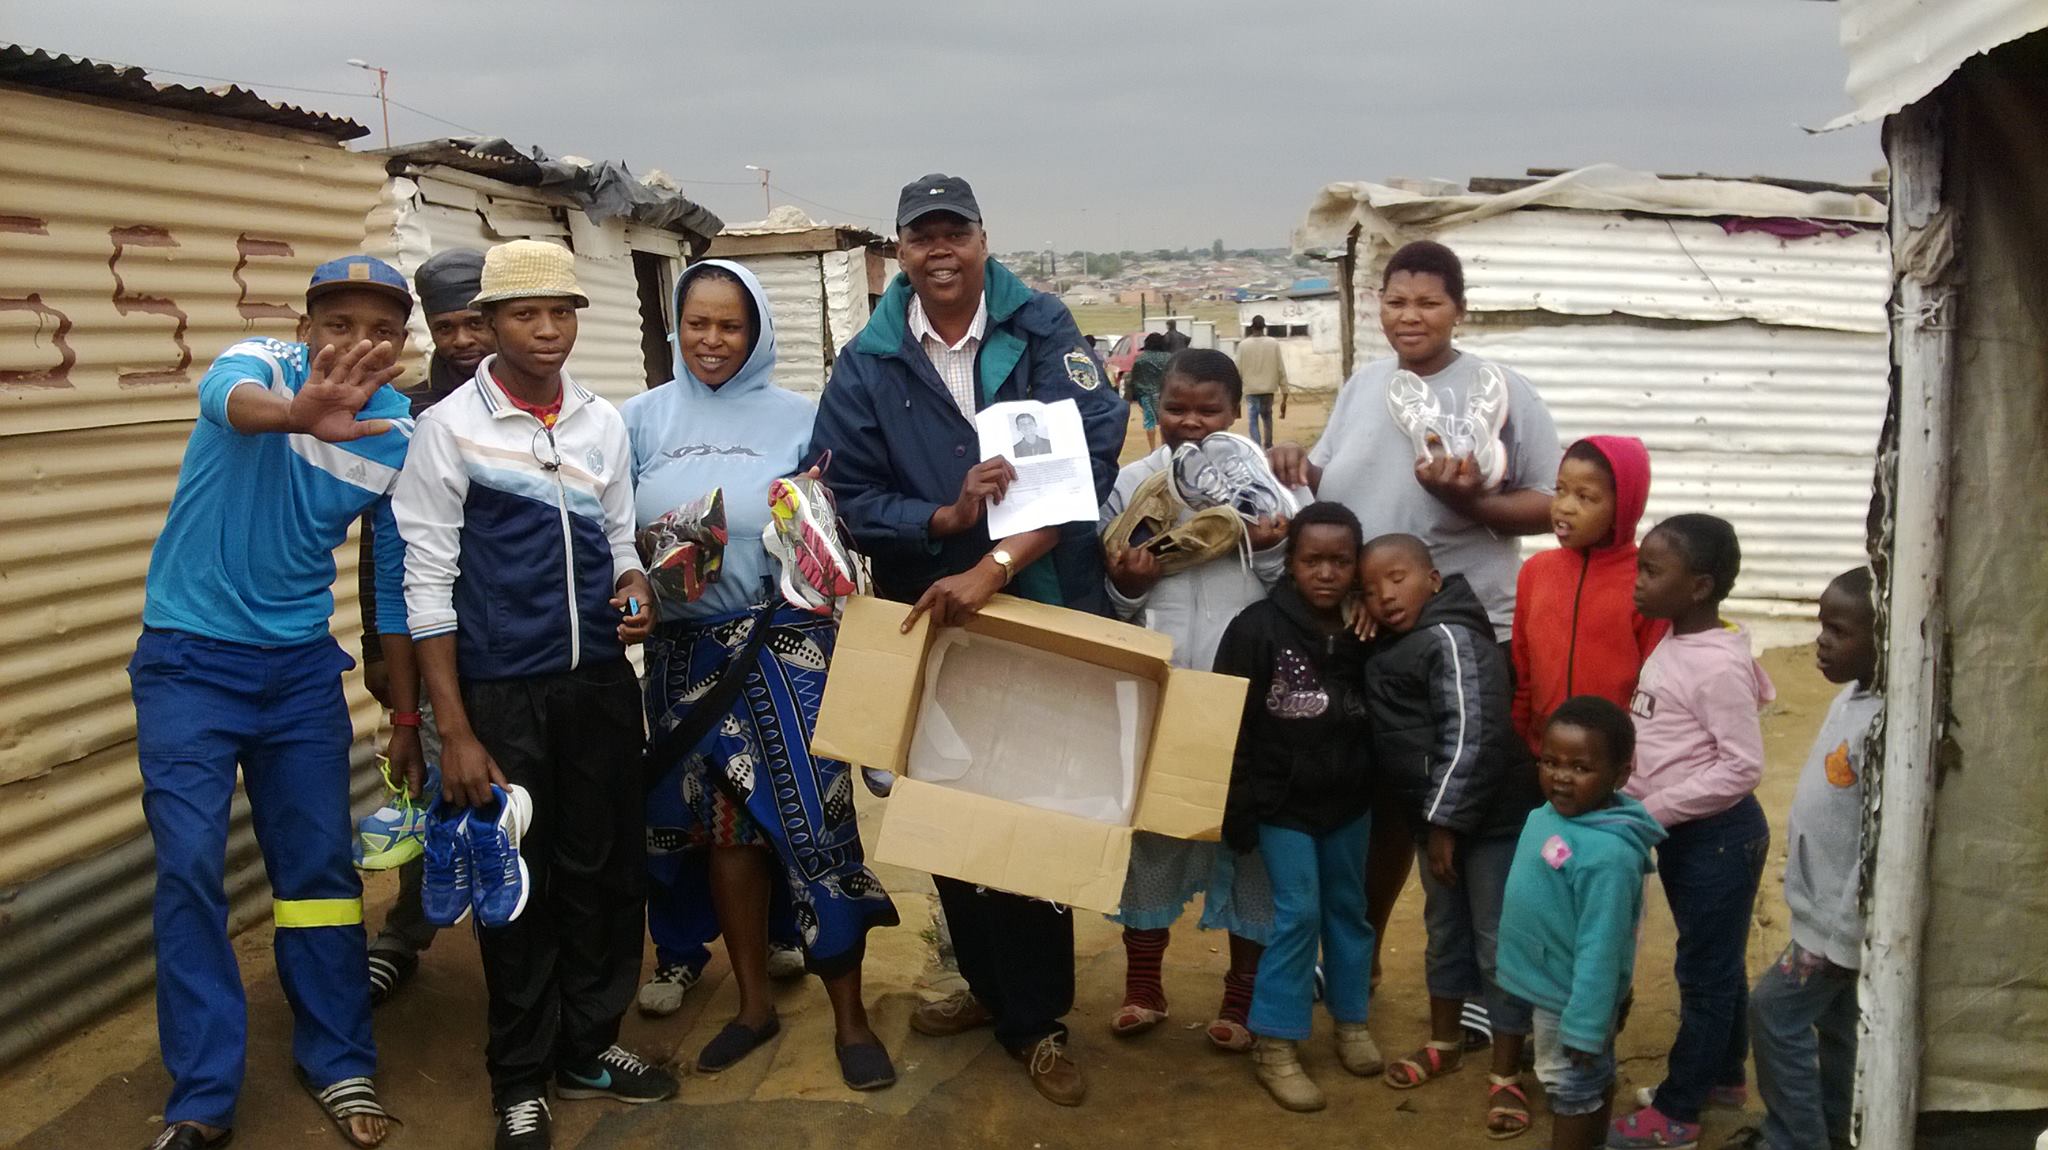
1577,631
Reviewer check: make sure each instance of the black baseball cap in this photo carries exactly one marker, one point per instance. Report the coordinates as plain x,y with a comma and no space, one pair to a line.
935,193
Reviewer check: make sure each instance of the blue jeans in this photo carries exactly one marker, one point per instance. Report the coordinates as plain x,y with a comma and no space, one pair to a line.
1711,868
1463,922
203,706
1257,409
1573,1089
1802,1018
1318,894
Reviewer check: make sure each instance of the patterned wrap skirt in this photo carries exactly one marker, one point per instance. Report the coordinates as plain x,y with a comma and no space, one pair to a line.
752,779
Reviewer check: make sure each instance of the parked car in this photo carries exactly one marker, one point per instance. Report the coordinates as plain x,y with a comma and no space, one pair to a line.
1121,353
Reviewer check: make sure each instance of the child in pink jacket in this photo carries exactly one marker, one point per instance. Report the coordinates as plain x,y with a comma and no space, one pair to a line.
1699,757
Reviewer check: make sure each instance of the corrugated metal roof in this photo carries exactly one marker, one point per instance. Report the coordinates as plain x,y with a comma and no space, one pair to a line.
1609,263
133,250
1900,50
796,293
35,68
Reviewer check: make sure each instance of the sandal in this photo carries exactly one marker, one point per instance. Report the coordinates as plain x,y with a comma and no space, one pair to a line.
346,1099
1230,1036
734,1043
187,1136
1506,1119
1428,1063
1132,1019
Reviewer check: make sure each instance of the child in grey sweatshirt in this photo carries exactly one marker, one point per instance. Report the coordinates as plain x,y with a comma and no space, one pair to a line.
1803,1010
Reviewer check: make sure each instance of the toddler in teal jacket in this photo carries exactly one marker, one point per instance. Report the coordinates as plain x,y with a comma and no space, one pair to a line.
1574,900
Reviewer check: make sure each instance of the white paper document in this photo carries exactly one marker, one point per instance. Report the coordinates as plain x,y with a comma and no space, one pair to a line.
1047,445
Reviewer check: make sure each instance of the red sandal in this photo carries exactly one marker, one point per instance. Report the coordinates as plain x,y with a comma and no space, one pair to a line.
1428,1063
1509,1119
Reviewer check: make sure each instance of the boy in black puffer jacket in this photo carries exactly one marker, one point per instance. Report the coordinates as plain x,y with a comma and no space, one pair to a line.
1299,792
1440,690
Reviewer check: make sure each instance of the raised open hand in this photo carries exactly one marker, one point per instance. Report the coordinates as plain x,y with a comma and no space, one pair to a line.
337,386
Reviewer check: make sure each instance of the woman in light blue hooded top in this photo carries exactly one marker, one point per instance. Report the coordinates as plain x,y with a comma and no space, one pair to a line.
748,789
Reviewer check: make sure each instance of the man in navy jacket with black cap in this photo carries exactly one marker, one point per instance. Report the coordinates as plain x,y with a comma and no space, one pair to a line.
955,333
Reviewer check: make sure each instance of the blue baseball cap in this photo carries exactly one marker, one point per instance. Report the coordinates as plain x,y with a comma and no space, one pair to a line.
366,273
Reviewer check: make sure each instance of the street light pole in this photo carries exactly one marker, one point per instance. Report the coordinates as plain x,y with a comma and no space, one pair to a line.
383,101
767,204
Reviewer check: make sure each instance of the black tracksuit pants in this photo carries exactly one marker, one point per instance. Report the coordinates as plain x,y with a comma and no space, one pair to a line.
1017,955
561,975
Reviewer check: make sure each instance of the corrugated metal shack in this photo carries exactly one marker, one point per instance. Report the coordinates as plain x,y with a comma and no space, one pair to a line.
1738,327
1954,993
821,280
475,193
143,229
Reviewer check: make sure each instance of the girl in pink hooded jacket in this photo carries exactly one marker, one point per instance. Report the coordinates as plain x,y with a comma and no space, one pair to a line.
1699,757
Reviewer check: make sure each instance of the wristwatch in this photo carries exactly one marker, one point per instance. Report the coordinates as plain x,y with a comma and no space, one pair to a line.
1006,562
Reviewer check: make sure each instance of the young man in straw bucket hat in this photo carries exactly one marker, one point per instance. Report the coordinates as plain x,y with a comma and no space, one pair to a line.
521,482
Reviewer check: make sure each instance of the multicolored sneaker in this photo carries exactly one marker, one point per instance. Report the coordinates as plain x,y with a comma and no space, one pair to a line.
395,833
1650,1129
446,881
684,550
501,883
1226,470
803,533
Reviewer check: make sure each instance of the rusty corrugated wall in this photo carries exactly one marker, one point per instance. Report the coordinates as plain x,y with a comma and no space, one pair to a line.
134,247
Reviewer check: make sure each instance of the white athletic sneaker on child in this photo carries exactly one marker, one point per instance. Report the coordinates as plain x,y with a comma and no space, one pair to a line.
663,994
785,962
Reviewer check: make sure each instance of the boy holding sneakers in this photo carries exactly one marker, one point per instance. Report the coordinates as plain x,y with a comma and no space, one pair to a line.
1574,900
1437,685
1803,1011
523,588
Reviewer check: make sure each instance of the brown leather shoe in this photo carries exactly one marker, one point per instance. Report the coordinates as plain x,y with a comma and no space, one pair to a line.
1053,1072
957,1013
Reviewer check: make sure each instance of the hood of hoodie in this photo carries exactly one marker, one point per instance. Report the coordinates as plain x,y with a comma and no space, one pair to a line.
1629,460
1627,820
1456,604
759,370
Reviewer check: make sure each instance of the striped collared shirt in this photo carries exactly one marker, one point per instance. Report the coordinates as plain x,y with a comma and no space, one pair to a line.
954,362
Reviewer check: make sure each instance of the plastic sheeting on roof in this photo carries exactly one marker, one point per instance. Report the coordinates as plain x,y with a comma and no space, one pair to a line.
604,189
57,73
1900,50
1391,216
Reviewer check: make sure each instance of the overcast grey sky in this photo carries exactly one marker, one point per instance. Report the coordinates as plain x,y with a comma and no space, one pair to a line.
1091,123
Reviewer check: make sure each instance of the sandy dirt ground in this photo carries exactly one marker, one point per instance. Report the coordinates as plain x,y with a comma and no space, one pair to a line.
104,1087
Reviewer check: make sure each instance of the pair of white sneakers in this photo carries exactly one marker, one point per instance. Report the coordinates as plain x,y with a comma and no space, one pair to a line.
1437,433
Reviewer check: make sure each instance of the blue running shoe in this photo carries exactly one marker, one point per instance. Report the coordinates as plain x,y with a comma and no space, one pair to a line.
446,885
395,833
499,892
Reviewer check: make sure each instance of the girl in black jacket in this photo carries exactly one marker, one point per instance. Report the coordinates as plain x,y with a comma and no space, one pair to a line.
1299,792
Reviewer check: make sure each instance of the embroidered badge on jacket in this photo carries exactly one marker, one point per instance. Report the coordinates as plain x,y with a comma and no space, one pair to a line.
1081,369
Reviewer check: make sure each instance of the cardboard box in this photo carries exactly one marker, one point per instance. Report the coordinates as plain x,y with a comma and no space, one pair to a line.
877,688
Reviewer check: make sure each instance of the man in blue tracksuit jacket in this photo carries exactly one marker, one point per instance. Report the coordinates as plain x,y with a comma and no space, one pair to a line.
955,333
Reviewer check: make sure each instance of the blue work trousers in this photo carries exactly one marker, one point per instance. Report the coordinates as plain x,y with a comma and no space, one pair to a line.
202,706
